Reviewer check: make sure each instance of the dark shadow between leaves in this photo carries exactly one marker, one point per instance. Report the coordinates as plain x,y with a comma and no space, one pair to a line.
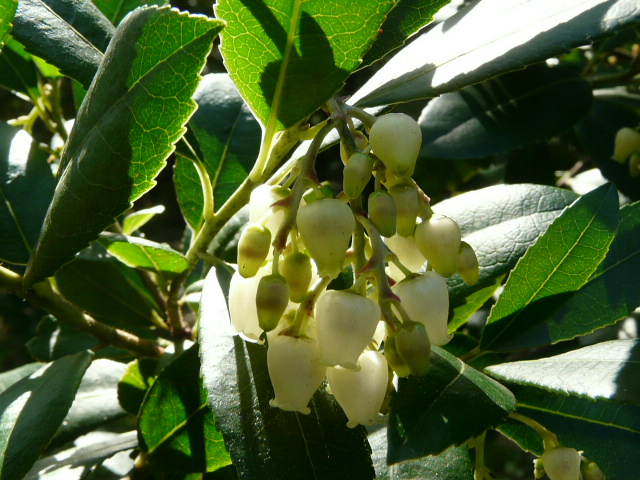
627,381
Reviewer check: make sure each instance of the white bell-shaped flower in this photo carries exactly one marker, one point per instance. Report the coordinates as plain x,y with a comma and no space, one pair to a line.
242,304
439,241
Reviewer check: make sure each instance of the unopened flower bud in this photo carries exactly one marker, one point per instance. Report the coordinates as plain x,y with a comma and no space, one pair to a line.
396,139
407,203
383,212
591,471
439,241
253,248
634,165
468,267
413,345
394,359
272,299
627,143
561,463
357,173
296,268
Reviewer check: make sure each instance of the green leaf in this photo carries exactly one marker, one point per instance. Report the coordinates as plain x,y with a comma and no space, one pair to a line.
225,243
136,220
23,171
229,140
288,57
406,19
452,464
127,126
504,113
138,377
559,263
7,11
267,442
462,51
12,376
70,34
589,398
138,252
526,438
472,304
177,427
116,11
32,409
448,406
17,70
500,223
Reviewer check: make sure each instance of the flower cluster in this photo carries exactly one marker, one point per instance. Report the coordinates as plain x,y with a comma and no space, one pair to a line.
299,239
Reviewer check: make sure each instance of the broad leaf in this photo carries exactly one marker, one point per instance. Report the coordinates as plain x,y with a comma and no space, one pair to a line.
135,382
462,50
32,409
405,20
18,72
23,171
526,437
589,398
177,427
7,11
116,11
452,464
471,305
138,252
266,442
12,376
504,113
127,126
137,219
229,141
500,223
559,263
70,34
450,405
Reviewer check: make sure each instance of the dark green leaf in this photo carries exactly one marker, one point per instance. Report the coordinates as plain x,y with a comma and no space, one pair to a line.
405,20
267,442
526,438
116,11
7,11
70,34
177,427
12,376
462,51
135,382
127,126
23,171
452,464
225,243
139,218
559,263
449,405
138,252
500,223
504,113
471,305
17,70
229,140
589,398
110,291
32,409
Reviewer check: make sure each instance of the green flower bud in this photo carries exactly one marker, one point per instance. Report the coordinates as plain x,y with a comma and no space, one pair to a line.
394,359
395,139
361,141
383,212
407,203
272,299
253,248
242,305
627,143
591,471
413,345
439,241
468,267
296,268
561,463
326,227
357,173
261,205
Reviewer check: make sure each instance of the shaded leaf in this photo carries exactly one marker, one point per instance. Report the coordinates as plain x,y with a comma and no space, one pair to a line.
177,427
17,70
139,218
472,304
504,113
448,406
462,51
559,263
127,126
7,11
267,442
23,170
12,376
229,140
116,11
138,252
500,223
526,438
225,243
32,409
138,377
70,34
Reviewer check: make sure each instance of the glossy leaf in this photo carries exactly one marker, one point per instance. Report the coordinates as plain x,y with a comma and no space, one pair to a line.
448,406
128,124
288,57
266,442
18,72
23,170
462,51
177,427
12,376
504,113
406,19
139,218
559,263
138,252
452,464
471,305
70,34
500,223
32,409
229,139
7,11
588,397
